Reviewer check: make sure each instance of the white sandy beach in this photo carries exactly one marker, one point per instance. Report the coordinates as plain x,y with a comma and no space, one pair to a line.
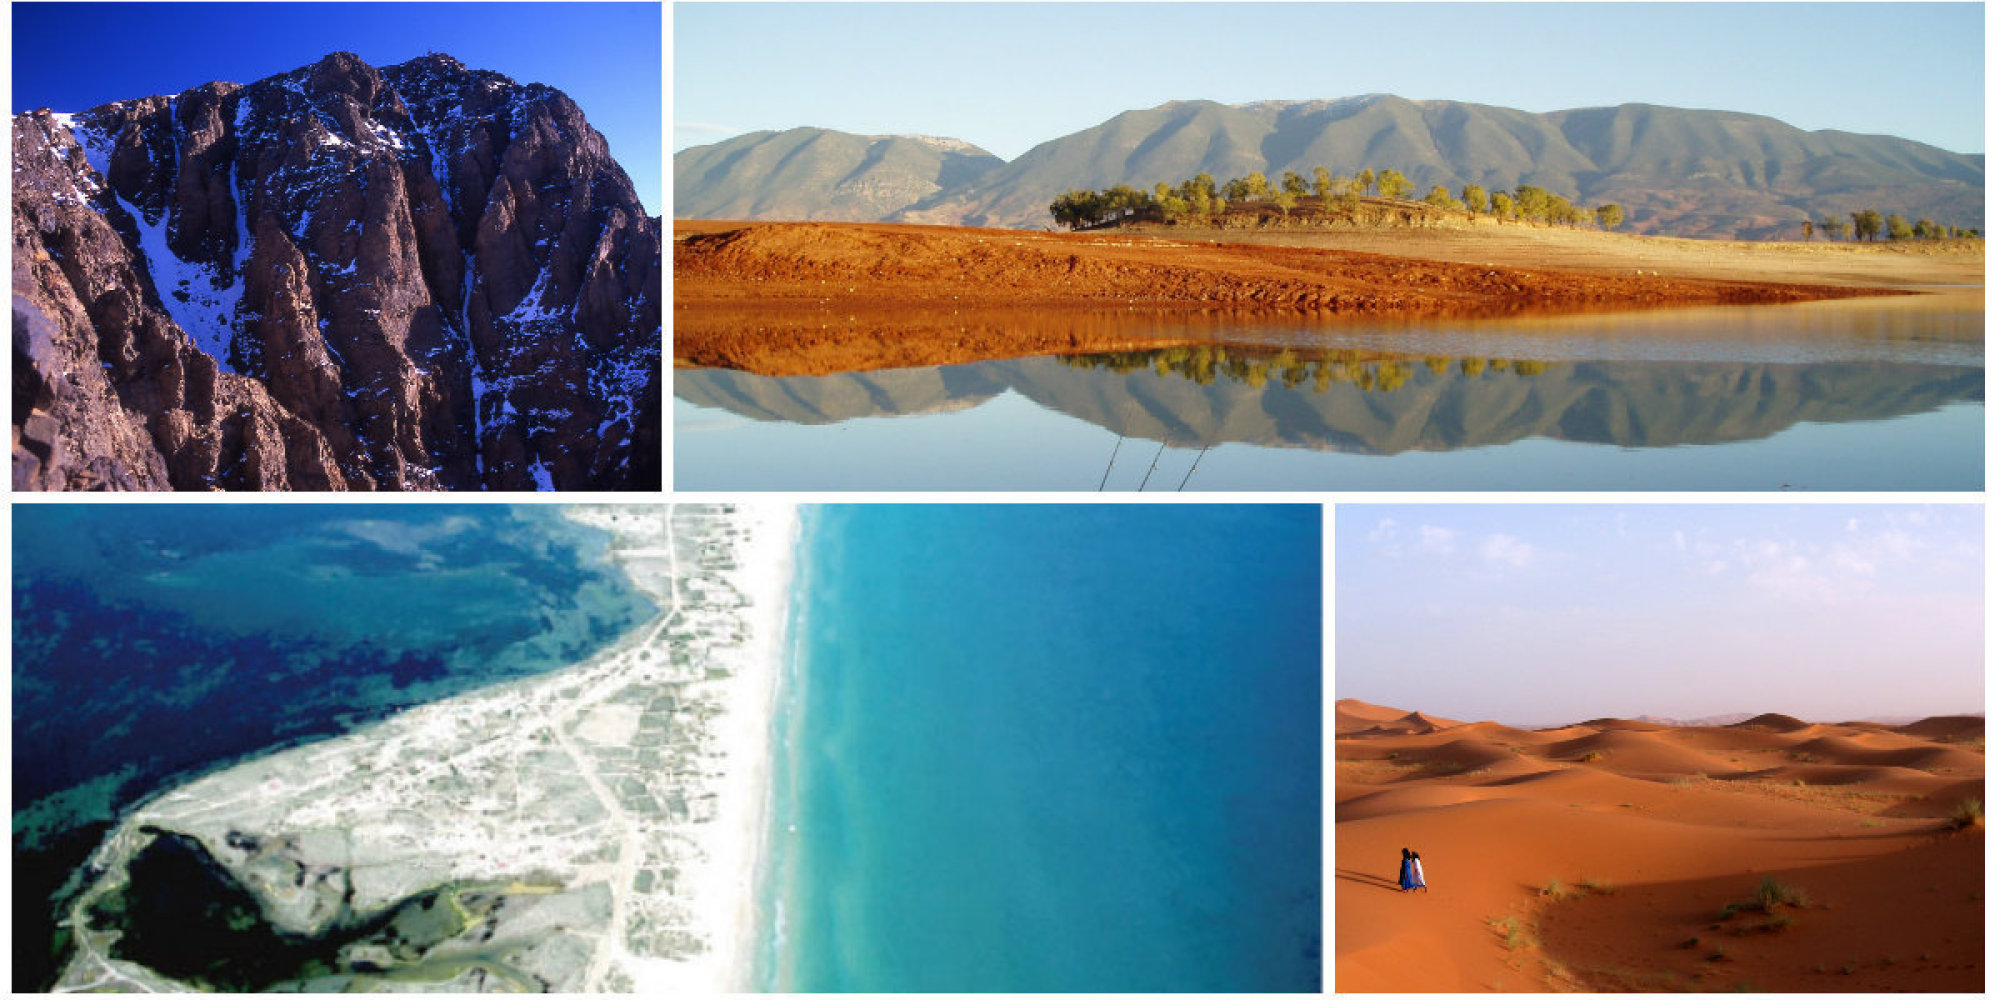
621,800
722,888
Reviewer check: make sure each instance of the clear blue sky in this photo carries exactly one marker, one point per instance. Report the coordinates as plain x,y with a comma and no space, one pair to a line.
1008,76
605,56
1557,613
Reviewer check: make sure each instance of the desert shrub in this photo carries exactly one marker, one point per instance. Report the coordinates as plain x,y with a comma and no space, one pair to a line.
1693,942
1772,894
1509,928
1596,885
1556,890
1970,812
1592,755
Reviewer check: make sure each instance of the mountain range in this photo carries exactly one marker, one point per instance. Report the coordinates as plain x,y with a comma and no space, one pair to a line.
1675,171
422,276
1629,404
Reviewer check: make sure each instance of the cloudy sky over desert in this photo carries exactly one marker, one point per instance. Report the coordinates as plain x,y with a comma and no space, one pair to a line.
1545,615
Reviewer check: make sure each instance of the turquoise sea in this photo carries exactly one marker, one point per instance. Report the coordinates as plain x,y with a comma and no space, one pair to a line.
1049,748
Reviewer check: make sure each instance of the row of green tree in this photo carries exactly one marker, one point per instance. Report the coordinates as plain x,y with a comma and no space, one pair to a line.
1202,364
1869,225
1200,198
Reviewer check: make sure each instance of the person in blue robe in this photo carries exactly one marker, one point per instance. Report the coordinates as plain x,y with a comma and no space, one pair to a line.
1408,879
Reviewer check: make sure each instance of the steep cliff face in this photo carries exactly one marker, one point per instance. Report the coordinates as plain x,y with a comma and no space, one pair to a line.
418,277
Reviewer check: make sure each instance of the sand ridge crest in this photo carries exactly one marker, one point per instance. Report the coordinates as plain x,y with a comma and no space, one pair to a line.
1671,823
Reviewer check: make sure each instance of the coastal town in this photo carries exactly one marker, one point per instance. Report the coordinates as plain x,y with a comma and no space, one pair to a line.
591,829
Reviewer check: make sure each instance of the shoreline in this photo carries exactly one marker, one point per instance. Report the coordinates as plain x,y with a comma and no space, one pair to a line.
784,341
626,780
873,266
736,843
829,298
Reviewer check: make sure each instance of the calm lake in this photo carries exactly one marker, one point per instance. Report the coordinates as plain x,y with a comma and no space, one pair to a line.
1860,394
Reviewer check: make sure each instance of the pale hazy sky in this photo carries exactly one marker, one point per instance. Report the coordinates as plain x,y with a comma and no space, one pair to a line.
1008,76
1556,613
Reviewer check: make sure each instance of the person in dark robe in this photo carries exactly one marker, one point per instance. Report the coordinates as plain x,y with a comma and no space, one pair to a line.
1407,880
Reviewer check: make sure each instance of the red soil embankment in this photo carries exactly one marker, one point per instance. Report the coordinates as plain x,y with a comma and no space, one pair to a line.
878,265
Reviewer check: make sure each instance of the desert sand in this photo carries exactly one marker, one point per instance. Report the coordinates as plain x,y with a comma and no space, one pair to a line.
1606,855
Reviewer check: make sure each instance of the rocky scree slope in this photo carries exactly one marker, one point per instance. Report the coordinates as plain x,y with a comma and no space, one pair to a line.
415,277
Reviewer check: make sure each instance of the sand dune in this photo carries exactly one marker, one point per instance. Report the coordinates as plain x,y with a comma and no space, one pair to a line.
1671,823
1947,727
1466,755
1359,716
1350,715
1624,725
1638,753
1729,739
1772,721
1896,780
1502,734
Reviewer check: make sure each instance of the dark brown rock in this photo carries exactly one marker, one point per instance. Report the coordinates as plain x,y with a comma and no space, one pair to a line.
420,277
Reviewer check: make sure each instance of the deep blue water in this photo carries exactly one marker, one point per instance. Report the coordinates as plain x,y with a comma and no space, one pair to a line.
152,642
166,637
1051,748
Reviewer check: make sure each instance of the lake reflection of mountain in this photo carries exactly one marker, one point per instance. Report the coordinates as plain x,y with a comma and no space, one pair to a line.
1203,397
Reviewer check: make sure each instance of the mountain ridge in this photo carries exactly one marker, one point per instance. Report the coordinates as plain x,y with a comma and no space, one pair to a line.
1676,171
422,276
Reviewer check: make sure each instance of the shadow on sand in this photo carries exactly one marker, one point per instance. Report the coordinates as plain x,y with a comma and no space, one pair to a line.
1350,875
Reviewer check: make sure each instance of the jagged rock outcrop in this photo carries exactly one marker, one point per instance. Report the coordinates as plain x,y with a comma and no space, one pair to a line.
417,277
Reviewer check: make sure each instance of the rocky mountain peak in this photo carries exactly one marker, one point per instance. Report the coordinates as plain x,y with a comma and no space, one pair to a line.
345,73
420,276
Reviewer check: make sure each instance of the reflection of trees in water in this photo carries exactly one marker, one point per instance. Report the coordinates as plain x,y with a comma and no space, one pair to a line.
1202,364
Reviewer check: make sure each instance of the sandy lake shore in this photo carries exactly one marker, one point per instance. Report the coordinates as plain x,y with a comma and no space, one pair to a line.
814,298
939,266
